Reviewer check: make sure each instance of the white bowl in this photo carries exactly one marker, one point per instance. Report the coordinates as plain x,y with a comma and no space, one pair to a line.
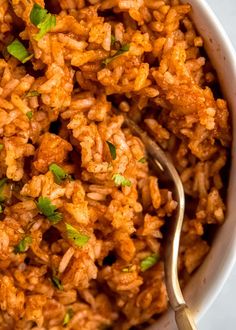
208,281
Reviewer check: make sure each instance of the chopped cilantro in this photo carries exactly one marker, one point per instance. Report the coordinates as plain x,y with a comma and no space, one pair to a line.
42,19
148,262
23,245
128,269
46,26
2,186
78,238
125,270
49,210
142,160
29,114
120,180
1,146
113,39
68,316
58,172
112,149
37,14
57,282
18,50
3,181
122,50
32,93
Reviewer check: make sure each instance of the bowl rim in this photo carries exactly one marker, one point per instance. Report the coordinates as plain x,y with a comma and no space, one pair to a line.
228,52
207,283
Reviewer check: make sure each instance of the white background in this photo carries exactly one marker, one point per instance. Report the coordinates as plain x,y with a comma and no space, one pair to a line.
222,314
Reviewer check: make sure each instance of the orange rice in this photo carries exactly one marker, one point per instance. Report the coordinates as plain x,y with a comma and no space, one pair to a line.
85,251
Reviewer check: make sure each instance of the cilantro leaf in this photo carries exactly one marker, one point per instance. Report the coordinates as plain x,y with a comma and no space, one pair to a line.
37,14
128,269
121,51
29,114
23,245
148,262
2,182
113,39
120,180
18,50
58,172
57,282
43,20
45,26
112,149
49,210
78,238
32,93
142,160
68,316
2,186
1,146
125,270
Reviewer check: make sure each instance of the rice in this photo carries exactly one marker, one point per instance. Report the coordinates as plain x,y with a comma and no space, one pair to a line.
82,214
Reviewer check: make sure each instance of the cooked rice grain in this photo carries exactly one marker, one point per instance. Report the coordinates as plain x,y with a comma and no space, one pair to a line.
143,57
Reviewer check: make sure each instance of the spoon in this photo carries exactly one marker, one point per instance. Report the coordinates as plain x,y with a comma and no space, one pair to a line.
168,174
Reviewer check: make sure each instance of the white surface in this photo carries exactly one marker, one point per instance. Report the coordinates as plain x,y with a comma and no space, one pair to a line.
222,314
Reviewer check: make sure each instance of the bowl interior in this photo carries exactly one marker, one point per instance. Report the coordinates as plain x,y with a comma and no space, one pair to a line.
207,282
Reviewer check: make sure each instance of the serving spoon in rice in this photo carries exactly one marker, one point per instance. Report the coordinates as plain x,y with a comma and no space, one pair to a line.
168,174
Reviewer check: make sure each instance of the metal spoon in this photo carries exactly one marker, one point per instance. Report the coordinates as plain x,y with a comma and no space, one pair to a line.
167,171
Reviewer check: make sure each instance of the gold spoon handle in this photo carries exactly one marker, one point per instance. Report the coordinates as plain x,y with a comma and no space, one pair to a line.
184,319
162,162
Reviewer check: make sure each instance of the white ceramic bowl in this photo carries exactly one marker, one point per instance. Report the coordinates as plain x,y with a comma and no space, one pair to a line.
211,276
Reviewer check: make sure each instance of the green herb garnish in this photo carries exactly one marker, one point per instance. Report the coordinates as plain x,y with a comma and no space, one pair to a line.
43,20
18,50
128,269
122,50
2,185
57,282
45,26
29,114
1,208
142,160
68,316
3,181
148,262
78,238
59,173
49,210
32,94
120,180
113,39
1,146
37,14
23,245
112,149
125,270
